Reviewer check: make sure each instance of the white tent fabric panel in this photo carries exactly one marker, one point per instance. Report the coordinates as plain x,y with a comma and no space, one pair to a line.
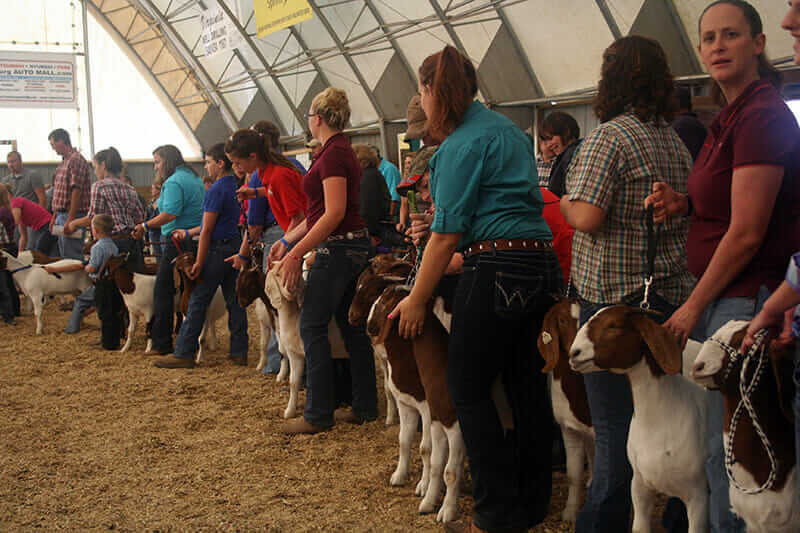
372,65
624,13
477,37
281,106
340,75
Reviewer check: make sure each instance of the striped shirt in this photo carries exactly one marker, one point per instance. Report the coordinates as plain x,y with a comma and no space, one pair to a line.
72,172
112,196
614,170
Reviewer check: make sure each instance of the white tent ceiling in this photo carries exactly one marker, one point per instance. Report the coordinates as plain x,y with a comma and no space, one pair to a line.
523,50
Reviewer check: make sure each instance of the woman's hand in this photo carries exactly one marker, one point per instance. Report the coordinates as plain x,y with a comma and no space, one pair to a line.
179,234
666,202
244,193
420,227
137,232
69,228
237,261
765,319
410,316
276,252
291,268
682,322
197,268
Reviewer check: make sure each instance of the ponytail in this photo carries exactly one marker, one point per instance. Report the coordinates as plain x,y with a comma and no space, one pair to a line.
453,84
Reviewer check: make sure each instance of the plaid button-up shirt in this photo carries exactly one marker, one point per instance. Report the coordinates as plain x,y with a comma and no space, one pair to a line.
112,196
71,173
543,169
614,170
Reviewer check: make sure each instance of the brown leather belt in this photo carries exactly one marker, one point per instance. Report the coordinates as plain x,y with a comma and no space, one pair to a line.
350,235
507,244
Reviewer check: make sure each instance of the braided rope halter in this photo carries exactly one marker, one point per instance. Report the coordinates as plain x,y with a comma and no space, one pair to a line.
757,354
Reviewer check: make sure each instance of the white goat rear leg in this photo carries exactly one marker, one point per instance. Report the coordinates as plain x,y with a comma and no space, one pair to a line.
211,335
425,449
697,509
574,447
453,472
131,329
283,372
643,503
266,334
438,458
201,341
409,418
296,364
391,403
38,307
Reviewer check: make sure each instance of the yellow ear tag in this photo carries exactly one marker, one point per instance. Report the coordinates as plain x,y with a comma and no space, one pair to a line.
546,338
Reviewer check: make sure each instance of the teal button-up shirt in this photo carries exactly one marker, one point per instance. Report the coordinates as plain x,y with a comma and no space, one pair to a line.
484,181
182,196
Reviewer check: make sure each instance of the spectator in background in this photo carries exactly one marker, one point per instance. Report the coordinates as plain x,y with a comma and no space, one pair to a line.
26,184
392,176
560,135
71,195
407,160
316,148
272,134
416,132
374,198
544,162
687,125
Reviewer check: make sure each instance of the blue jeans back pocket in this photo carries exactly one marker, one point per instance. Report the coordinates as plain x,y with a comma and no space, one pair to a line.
516,295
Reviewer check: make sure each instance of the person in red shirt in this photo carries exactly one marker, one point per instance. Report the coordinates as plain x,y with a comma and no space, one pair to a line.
743,199
249,151
561,230
333,227
30,215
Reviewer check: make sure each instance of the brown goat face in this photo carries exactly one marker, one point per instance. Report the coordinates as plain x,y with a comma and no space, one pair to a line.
713,358
368,290
608,341
559,328
249,285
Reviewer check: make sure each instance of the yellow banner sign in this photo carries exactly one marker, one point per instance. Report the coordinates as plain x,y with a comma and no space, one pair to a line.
274,15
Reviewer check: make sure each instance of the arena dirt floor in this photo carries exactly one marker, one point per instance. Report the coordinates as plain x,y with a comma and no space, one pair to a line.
100,440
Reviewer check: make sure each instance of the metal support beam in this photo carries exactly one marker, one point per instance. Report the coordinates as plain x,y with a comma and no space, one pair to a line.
457,42
183,50
384,28
526,63
89,104
612,24
687,43
302,42
364,85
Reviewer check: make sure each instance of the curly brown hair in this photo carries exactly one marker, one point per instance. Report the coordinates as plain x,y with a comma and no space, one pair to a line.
635,77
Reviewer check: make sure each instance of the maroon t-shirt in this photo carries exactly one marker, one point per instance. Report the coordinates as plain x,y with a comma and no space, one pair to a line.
335,159
755,129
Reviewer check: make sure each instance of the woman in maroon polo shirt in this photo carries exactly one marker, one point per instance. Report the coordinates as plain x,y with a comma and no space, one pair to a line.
335,230
744,199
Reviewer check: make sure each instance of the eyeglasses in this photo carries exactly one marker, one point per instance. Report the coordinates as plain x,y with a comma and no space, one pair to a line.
309,115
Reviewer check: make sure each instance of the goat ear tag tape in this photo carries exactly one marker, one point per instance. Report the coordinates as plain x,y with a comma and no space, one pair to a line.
546,337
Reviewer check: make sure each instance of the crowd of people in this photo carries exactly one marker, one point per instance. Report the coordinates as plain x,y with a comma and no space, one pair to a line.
497,219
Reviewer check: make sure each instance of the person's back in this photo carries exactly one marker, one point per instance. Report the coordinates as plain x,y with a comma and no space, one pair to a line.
374,200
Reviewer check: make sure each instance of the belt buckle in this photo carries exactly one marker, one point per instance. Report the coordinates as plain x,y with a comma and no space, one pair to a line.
349,236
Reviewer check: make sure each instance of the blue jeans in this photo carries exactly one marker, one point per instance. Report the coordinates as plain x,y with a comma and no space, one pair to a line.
721,519
164,299
330,289
273,366
70,247
215,272
83,302
608,501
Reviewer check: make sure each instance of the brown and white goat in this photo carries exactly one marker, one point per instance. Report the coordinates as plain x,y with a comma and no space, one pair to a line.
570,403
777,508
667,444
250,288
418,376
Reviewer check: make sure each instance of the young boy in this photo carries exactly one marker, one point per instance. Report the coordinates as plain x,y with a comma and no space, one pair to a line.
107,301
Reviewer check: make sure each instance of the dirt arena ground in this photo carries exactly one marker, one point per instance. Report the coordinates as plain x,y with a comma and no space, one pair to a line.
100,440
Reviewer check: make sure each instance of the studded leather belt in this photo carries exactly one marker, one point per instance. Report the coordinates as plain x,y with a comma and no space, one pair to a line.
480,247
350,235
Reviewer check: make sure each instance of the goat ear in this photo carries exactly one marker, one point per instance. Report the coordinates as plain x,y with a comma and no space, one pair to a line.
548,341
272,286
662,343
393,279
780,356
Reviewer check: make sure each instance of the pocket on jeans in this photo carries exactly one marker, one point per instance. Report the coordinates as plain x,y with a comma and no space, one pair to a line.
515,295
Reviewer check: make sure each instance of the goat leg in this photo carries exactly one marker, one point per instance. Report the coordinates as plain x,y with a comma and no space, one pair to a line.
436,470
643,503
131,329
409,418
574,447
453,471
425,448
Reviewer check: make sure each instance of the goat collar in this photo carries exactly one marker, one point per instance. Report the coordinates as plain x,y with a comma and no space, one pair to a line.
26,267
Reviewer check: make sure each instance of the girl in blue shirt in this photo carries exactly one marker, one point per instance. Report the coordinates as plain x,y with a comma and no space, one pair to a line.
488,206
219,238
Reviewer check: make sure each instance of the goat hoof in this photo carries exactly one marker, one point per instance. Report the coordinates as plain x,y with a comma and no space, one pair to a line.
289,413
426,507
447,513
398,479
569,514
422,488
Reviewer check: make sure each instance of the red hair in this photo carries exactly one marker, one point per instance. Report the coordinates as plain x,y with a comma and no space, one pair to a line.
453,85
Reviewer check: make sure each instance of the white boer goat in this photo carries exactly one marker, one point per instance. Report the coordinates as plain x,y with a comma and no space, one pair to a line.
36,283
667,444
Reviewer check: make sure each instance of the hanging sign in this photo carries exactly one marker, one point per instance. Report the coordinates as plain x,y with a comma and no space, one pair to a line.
37,79
274,15
218,32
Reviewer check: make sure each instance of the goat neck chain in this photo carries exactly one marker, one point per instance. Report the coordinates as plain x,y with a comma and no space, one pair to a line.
412,276
757,354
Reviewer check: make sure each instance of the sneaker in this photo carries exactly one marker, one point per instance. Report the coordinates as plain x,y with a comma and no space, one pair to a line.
173,362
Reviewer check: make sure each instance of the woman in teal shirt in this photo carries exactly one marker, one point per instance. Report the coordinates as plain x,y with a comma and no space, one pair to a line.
488,206
180,207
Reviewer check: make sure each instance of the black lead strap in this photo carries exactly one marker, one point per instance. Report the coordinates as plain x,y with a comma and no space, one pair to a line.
653,238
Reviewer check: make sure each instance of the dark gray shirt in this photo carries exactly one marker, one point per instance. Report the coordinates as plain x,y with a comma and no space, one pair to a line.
25,184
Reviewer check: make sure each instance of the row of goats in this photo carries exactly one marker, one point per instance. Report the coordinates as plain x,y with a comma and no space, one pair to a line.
667,444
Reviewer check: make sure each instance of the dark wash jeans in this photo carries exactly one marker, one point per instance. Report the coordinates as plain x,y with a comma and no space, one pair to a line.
216,272
330,289
608,501
500,301
164,295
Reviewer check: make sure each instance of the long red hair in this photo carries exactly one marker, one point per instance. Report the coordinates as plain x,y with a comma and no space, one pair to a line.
453,85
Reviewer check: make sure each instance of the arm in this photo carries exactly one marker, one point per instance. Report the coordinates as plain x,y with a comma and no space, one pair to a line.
209,221
772,314
403,223
64,268
41,196
16,212
753,193
581,215
74,201
155,222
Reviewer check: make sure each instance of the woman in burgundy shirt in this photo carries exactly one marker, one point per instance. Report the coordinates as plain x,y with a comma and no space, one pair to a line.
744,199
335,230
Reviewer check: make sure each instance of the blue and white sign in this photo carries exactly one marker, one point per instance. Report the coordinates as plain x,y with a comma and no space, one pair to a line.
37,79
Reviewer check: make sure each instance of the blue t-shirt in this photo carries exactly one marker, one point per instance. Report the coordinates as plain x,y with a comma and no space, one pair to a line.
101,252
392,176
182,196
221,199
484,181
298,164
258,211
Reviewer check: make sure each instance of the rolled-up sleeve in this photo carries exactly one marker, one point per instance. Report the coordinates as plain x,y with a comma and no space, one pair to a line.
456,181
171,199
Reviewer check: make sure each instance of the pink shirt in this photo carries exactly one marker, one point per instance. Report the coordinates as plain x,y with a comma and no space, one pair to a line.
33,215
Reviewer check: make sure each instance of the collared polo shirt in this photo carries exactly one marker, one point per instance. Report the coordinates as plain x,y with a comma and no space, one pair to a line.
284,195
24,185
484,183
182,197
221,199
756,129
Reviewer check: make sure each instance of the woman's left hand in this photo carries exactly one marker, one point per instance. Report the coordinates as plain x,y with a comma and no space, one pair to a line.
682,322
291,268
194,273
410,317
245,192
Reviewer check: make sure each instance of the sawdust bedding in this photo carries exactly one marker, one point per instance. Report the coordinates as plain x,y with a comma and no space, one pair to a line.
91,439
